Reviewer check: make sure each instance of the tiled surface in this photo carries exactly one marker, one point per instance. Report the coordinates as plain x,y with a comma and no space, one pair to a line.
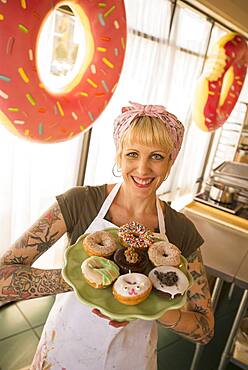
18,351
176,356
166,337
38,330
11,321
21,325
36,310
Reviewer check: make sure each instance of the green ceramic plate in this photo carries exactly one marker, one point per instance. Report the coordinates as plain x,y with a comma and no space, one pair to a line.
152,308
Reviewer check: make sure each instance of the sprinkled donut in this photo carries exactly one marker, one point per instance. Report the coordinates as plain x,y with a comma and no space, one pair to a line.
135,235
100,243
99,272
28,108
169,280
219,87
132,288
164,253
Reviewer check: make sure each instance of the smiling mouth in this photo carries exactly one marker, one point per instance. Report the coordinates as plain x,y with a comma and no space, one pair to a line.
142,182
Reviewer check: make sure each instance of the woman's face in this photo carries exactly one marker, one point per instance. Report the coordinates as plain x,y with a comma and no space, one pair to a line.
144,168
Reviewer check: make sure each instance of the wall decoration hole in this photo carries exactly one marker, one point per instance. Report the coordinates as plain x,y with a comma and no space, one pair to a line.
64,48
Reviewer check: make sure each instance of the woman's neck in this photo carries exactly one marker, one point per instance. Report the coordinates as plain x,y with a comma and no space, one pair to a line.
128,207
133,205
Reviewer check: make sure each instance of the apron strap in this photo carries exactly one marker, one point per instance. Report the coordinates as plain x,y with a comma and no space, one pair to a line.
161,222
108,201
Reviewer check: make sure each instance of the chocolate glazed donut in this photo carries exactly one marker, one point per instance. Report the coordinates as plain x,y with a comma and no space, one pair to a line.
131,259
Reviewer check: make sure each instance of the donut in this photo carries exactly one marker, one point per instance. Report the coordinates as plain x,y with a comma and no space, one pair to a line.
218,88
163,253
131,259
169,280
31,109
135,235
100,243
99,272
132,288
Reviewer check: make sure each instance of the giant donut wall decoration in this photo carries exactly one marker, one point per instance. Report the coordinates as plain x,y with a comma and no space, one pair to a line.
27,108
218,88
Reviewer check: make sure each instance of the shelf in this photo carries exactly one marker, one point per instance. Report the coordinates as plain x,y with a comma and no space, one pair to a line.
219,216
238,363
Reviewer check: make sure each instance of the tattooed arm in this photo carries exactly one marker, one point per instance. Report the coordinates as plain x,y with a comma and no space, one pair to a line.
18,280
195,321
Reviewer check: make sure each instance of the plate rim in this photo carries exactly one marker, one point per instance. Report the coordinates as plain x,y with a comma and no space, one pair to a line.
114,315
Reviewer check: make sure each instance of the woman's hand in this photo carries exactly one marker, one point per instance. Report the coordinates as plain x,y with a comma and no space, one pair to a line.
170,319
116,324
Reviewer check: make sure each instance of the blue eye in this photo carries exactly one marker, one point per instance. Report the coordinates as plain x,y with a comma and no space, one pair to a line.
157,157
132,155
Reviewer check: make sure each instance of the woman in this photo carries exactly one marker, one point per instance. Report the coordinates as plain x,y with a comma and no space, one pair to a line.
148,139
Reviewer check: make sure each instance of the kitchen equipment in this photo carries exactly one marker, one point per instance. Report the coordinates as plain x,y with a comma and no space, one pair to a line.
227,189
222,193
233,174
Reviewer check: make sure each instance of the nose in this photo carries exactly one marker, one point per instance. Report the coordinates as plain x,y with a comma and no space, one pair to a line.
143,167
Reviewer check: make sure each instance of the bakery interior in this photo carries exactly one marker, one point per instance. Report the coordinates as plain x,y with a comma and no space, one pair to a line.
167,46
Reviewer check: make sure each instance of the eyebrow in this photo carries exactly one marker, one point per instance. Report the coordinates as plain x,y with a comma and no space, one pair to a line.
162,152
153,152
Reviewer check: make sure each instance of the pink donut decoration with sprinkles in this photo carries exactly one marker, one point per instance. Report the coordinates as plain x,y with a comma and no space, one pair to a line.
218,88
135,235
28,107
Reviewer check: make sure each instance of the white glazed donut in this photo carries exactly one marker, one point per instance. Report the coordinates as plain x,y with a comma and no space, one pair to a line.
100,243
99,272
163,253
132,288
168,279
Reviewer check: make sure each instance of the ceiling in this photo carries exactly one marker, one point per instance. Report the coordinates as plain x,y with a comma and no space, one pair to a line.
232,13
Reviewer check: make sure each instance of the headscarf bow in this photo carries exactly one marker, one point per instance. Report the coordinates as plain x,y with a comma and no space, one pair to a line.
136,110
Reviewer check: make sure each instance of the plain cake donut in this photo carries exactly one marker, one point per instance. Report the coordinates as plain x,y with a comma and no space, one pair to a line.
100,243
164,253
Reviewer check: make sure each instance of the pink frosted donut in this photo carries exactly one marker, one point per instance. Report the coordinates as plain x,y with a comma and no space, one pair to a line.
135,235
163,253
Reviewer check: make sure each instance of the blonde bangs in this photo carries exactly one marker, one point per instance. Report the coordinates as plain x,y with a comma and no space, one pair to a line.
148,131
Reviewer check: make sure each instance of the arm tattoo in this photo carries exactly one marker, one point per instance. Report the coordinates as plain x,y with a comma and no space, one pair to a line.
199,302
24,282
44,225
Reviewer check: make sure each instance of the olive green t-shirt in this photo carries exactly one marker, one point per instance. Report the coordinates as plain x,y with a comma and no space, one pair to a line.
80,205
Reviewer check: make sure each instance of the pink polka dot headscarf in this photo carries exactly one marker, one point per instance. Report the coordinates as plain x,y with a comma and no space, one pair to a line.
173,125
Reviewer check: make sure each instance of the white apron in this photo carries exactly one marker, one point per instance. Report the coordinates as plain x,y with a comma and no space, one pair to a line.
74,338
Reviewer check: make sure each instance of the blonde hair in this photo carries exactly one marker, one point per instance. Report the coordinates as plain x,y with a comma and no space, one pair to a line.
147,131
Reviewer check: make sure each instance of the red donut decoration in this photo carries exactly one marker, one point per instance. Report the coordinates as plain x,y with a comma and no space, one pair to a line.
219,87
28,108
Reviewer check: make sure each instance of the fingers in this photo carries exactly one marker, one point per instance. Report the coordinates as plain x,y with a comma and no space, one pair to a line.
98,313
116,324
